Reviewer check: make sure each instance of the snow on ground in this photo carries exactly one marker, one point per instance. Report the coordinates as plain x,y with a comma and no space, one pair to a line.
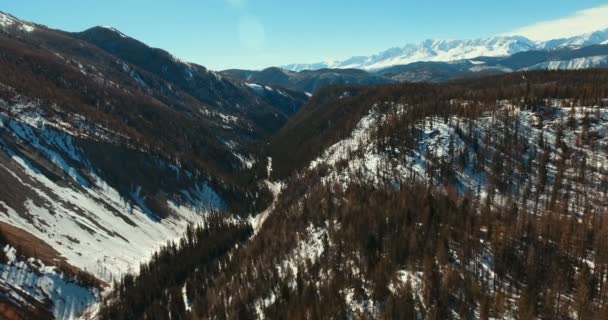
572,64
359,307
435,138
246,161
187,303
254,86
258,220
275,188
264,90
261,304
45,283
358,138
95,228
309,248
7,20
415,280
133,74
85,219
112,235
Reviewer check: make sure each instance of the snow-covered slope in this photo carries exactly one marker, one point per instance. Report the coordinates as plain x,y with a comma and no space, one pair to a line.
50,191
8,21
453,50
46,284
572,64
596,37
83,217
105,156
437,140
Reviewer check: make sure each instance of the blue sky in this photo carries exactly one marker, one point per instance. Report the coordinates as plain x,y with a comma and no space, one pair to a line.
224,34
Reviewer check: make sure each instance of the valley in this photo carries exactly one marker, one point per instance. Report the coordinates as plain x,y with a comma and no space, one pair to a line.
454,179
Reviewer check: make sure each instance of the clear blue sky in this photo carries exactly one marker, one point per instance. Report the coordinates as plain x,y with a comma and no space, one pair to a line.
258,33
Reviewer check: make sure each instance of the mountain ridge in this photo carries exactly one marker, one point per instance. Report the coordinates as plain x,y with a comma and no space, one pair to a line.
452,50
108,149
319,194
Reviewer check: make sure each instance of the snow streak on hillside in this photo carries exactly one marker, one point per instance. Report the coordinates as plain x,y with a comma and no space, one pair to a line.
46,284
7,20
92,226
572,64
60,200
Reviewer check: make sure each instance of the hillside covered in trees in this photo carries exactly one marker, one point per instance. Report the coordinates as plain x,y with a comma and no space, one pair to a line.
478,199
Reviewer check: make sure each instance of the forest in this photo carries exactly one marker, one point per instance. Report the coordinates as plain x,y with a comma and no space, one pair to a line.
480,199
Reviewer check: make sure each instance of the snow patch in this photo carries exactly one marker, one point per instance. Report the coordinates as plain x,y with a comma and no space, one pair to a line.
44,283
258,221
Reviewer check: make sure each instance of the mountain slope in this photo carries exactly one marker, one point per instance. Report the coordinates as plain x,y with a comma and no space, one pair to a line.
206,86
308,80
104,157
473,200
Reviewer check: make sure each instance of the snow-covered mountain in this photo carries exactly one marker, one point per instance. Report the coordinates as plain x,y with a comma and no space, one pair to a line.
572,64
597,37
9,21
453,50
568,57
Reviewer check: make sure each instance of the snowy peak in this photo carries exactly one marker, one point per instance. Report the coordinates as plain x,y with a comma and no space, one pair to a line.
449,50
8,21
118,32
453,50
429,50
107,32
596,37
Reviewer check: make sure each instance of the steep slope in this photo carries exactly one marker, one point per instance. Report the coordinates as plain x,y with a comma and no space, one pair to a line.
206,86
308,80
104,157
473,200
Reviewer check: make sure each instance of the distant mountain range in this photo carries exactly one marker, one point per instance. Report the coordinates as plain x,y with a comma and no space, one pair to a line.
453,50
562,58
566,54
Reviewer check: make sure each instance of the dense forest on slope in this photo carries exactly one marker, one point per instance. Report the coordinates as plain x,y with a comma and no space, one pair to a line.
308,80
180,113
108,149
159,286
474,200
333,113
